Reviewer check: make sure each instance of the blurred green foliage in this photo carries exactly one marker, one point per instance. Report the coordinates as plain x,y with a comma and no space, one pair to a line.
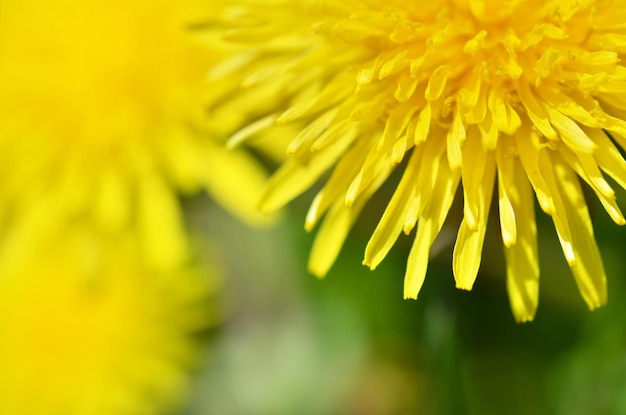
349,344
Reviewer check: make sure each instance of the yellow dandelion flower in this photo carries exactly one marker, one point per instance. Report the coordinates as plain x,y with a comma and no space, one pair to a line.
87,328
528,94
100,118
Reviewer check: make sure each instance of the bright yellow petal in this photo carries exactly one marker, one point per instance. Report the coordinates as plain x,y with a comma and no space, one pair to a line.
236,180
294,176
588,268
478,183
160,223
430,224
343,174
334,230
392,221
522,256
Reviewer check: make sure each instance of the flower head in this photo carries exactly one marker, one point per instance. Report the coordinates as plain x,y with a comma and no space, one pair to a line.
89,328
525,95
100,120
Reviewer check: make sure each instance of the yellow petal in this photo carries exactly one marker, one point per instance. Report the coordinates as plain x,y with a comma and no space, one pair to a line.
333,92
423,124
505,160
160,223
489,132
426,180
585,166
570,132
335,229
522,258
374,164
430,224
473,173
250,130
392,221
588,269
396,124
504,116
468,247
331,236
609,158
455,138
406,87
528,144
294,176
535,111
437,83
343,174
236,180
560,215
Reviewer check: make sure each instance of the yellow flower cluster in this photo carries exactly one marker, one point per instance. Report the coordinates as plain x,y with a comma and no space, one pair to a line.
87,327
100,120
528,94
101,131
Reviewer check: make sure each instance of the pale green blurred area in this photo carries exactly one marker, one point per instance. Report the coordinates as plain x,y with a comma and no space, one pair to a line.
291,344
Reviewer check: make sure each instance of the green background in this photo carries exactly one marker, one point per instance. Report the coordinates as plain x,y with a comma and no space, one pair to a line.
290,344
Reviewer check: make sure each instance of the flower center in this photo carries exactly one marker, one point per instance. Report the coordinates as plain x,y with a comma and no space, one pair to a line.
473,59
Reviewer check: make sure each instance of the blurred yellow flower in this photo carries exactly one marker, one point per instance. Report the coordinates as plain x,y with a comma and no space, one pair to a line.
526,94
100,119
87,328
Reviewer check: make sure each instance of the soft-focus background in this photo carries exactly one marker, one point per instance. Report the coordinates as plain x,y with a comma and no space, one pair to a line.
291,344
90,325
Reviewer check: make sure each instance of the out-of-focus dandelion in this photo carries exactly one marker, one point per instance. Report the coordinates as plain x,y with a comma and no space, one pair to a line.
86,327
526,94
99,121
